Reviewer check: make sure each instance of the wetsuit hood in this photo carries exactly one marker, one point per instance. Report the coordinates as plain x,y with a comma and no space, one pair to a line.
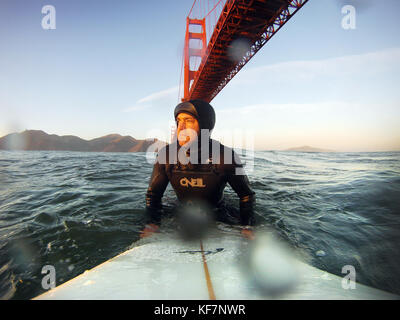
201,110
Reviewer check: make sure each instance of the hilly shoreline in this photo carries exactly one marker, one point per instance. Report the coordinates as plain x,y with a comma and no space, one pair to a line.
35,140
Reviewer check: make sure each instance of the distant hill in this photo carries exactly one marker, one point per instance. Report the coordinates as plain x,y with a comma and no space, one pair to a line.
308,149
40,140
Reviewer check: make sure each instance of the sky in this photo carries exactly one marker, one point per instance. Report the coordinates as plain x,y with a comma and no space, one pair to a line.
114,67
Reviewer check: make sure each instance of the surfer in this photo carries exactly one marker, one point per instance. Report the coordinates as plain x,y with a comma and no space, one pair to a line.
198,169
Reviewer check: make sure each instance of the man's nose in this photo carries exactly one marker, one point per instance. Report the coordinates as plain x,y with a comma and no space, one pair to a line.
181,125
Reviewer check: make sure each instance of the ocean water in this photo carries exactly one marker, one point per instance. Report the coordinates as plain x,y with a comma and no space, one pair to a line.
74,210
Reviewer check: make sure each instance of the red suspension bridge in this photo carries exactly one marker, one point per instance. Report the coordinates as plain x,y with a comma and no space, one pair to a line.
223,35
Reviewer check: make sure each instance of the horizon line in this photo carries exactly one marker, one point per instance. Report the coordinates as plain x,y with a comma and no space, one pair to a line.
323,150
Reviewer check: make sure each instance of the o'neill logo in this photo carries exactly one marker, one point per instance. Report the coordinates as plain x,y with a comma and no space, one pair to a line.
193,182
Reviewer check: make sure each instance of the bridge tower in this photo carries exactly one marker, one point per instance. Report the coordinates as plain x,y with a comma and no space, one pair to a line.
189,51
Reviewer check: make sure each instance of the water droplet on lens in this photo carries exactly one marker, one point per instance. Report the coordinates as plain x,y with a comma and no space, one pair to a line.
238,49
320,253
271,266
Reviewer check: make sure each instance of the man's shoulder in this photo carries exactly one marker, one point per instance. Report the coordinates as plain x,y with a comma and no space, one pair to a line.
167,146
165,153
224,155
218,145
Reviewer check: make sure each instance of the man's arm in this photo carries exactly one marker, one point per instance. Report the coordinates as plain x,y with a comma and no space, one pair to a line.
240,184
158,183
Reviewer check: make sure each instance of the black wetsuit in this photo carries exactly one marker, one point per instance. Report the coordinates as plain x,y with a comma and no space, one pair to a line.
204,181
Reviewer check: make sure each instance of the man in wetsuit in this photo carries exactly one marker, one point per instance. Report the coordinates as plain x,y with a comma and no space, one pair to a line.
198,169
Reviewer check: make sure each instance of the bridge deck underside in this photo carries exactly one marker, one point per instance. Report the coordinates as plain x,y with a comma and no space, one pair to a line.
240,19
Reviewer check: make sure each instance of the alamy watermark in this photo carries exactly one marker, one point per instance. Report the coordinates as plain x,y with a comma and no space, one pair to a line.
49,280
211,151
49,20
349,19
349,280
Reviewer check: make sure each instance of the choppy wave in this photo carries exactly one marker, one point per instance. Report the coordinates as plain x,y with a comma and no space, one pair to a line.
74,210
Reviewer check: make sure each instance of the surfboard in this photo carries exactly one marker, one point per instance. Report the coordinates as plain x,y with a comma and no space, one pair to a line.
164,267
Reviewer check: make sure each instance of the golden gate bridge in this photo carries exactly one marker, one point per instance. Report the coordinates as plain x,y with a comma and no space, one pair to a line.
223,35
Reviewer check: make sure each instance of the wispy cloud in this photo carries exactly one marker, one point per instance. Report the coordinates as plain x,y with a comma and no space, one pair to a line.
137,107
160,95
261,108
366,63
165,96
